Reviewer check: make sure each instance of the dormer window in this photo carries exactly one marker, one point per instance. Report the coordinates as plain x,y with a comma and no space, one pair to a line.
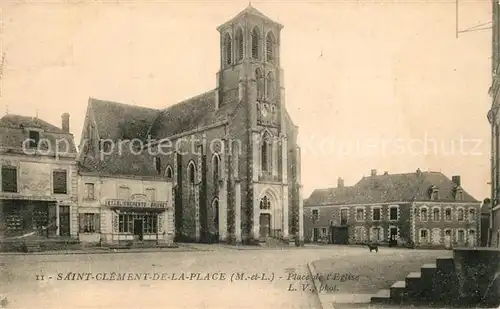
434,193
34,138
459,194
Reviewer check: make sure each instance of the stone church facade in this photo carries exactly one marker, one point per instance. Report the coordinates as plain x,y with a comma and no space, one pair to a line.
231,153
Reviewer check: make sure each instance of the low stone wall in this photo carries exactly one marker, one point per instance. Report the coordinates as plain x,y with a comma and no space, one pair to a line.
478,274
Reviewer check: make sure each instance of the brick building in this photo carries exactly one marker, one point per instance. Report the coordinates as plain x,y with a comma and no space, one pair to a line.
426,208
231,153
39,183
122,199
494,120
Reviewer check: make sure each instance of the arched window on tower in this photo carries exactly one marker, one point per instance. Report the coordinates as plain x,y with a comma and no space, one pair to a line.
191,174
266,153
216,168
270,86
270,47
259,77
255,43
228,48
168,172
239,44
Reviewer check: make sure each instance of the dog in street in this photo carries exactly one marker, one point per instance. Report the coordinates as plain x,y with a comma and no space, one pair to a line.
373,247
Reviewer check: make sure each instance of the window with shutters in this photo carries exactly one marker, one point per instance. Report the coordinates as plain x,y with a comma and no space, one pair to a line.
315,215
89,223
151,194
60,182
435,214
9,179
447,214
89,191
34,138
255,43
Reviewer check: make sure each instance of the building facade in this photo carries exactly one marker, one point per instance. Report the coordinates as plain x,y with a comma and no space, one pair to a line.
231,153
39,178
423,208
116,208
494,120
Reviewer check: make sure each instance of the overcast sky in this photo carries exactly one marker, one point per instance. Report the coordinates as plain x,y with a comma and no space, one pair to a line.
367,82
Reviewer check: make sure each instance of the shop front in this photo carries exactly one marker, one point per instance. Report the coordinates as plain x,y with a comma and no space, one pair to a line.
140,220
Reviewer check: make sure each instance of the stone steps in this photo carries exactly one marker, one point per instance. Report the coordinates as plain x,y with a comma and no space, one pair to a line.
431,285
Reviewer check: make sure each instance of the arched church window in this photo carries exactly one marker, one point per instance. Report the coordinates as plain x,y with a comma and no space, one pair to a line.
270,85
191,173
168,172
228,48
265,203
239,44
266,151
270,46
259,77
216,167
215,208
157,164
255,43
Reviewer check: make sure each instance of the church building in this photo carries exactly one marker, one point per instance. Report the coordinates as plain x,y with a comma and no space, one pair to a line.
230,153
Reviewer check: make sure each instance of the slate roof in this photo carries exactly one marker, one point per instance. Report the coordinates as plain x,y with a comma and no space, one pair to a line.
125,163
389,188
193,113
249,10
12,134
19,122
119,121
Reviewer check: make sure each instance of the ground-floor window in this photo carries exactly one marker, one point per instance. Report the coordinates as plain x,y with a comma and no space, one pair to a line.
127,223
89,223
424,236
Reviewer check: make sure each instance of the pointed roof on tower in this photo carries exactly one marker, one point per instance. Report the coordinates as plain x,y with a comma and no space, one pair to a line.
249,11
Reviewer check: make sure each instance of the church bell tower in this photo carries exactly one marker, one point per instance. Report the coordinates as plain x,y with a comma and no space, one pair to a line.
250,66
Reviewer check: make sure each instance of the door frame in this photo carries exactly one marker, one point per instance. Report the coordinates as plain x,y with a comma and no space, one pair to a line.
268,230
66,215
141,232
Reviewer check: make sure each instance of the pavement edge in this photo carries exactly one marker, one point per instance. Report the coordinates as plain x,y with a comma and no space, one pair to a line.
316,283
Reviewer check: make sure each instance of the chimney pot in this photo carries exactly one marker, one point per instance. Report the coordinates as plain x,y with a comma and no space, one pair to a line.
340,183
456,180
65,122
374,172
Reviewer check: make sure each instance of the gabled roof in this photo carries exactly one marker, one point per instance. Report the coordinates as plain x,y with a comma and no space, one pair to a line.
390,188
124,163
249,11
193,113
117,121
12,135
19,122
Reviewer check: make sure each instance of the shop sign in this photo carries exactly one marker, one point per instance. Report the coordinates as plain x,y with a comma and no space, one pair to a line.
136,203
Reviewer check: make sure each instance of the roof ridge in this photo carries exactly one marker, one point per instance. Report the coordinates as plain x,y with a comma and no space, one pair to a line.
187,100
95,100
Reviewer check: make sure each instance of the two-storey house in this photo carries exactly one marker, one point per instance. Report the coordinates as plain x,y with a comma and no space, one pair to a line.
38,178
424,208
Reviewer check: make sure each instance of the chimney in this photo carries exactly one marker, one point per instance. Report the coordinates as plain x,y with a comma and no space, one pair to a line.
419,172
456,180
340,183
386,173
65,122
374,172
